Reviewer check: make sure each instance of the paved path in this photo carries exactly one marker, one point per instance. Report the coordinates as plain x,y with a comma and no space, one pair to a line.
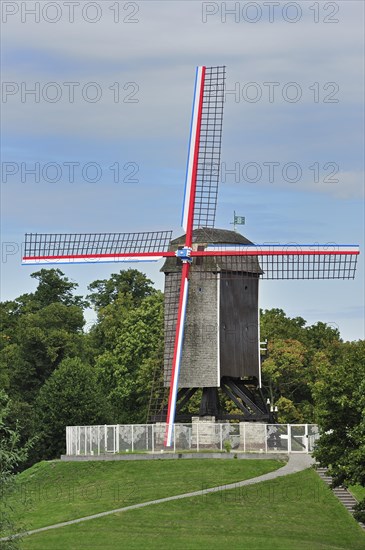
296,463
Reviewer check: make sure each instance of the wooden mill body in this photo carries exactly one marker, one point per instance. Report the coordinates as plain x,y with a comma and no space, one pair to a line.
221,336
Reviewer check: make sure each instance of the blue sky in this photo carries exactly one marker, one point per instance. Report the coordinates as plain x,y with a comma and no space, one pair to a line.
151,63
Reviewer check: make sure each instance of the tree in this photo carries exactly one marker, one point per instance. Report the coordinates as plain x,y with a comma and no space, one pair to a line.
339,396
290,368
285,377
12,454
128,282
321,336
41,341
132,348
113,298
71,396
274,324
55,287
38,331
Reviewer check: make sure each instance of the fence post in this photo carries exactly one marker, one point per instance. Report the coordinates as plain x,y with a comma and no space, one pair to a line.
289,438
98,440
153,438
221,435
244,437
265,426
132,438
174,438
197,437
306,439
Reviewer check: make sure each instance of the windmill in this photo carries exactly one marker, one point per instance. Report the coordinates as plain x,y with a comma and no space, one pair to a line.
203,252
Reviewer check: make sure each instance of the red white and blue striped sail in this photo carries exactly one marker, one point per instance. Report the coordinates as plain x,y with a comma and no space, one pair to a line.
205,147
291,249
64,248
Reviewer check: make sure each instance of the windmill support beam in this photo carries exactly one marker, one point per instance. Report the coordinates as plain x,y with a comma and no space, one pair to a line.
244,394
209,405
246,412
184,395
250,409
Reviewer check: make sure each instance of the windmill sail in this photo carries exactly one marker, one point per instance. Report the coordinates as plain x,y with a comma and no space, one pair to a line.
210,85
45,248
291,261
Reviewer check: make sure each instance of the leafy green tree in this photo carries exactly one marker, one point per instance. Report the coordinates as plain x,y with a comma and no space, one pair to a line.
71,396
285,377
12,454
112,299
127,366
42,340
274,324
322,336
38,331
339,396
54,287
128,282
290,368
288,412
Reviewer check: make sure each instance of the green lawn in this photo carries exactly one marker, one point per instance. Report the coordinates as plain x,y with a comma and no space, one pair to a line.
357,491
52,492
295,512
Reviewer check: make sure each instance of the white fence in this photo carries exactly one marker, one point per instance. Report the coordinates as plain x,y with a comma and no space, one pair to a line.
195,437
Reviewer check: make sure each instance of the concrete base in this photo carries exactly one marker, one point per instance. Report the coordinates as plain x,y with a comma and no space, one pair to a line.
173,456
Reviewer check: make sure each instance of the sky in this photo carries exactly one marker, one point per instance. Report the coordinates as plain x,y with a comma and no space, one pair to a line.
96,106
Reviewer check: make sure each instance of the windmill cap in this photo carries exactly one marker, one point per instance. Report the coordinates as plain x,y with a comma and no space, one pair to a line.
206,235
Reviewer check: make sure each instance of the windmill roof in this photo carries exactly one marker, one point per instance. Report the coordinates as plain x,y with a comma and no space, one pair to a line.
206,235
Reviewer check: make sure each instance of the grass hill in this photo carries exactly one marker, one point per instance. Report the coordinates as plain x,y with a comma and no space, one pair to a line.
294,512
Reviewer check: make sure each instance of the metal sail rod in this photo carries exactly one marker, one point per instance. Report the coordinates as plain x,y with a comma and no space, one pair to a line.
272,250
97,258
183,299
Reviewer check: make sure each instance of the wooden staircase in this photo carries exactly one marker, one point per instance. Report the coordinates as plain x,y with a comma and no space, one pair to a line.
343,495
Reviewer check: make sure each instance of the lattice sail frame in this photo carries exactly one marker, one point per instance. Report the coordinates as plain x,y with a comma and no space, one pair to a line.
95,247
291,261
209,157
200,201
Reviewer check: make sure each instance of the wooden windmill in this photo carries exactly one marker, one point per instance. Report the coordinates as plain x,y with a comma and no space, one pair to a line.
217,257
